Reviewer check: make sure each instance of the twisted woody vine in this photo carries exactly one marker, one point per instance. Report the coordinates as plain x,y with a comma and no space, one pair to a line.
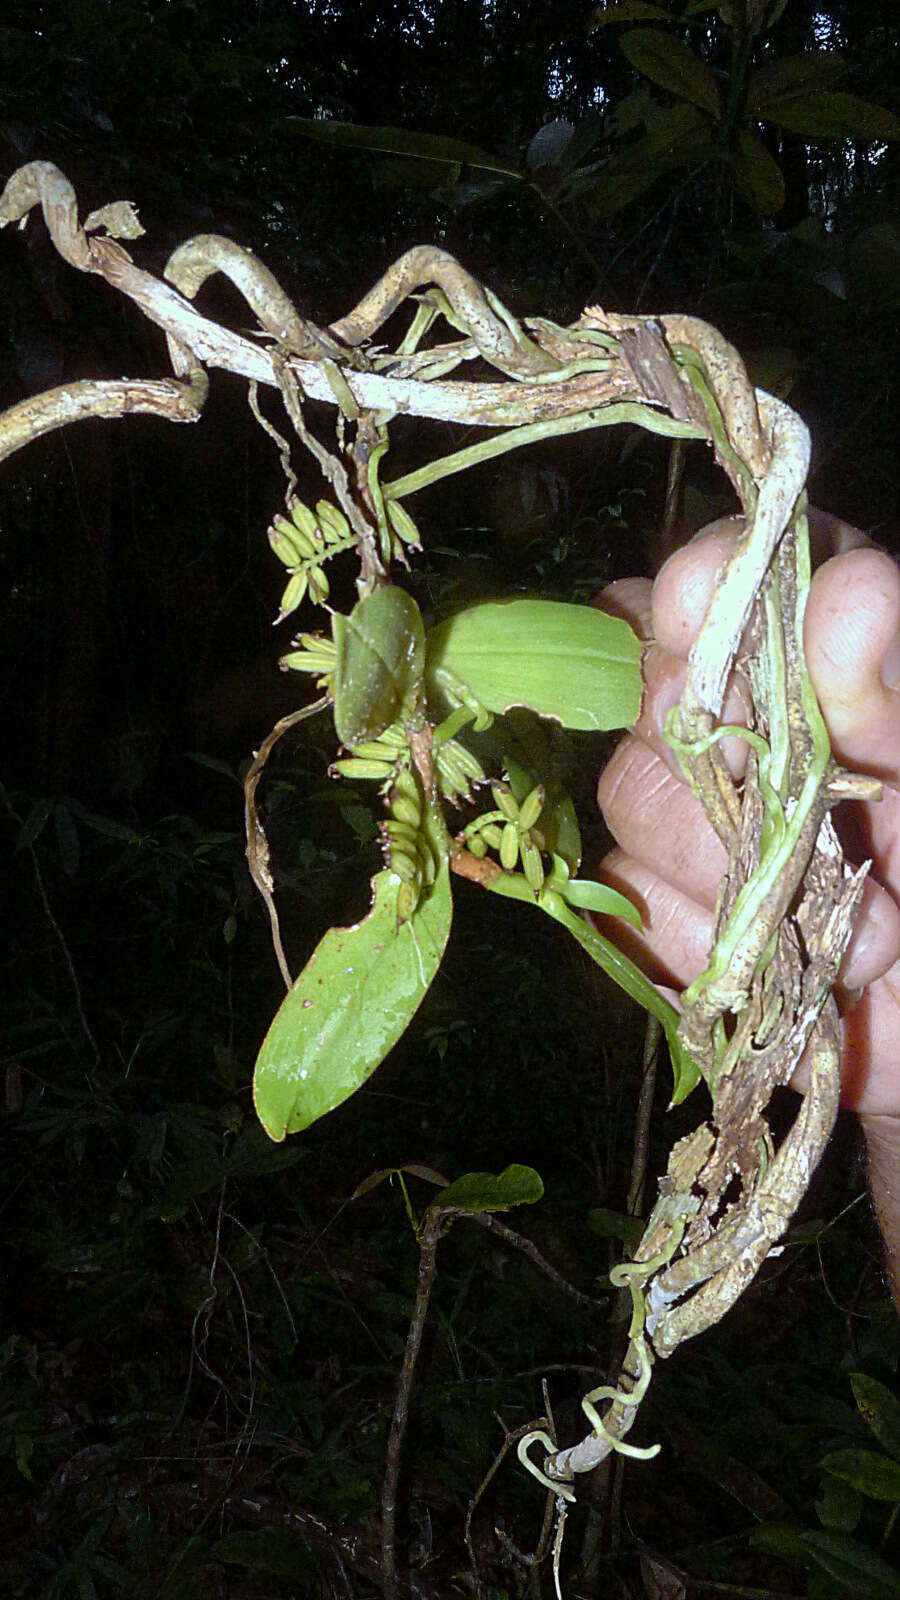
410,706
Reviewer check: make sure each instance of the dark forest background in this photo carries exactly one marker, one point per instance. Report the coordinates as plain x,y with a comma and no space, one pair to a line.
201,1333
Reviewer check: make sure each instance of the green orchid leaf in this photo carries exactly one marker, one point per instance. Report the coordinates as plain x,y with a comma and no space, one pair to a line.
349,1006
488,1191
686,1073
572,663
380,653
588,895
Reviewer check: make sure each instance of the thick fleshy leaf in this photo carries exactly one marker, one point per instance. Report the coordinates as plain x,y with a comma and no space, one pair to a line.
349,1006
572,663
489,1191
672,64
380,651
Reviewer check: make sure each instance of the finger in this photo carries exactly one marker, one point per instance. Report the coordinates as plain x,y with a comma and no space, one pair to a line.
664,676
870,1078
880,832
874,946
654,817
686,583
870,1081
852,641
630,599
674,943
678,925
685,586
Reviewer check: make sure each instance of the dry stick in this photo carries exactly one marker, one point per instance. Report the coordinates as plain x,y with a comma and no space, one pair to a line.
639,1161
543,1545
492,404
58,934
518,1241
257,843
641,1151
436,1222
722,1267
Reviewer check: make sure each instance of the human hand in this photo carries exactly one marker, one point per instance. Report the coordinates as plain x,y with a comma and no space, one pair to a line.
669,861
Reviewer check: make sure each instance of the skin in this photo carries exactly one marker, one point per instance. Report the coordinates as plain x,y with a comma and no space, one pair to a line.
669,861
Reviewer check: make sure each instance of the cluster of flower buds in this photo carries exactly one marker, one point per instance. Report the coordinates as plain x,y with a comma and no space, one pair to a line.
402,525
457,769
315,653
511,831
303,544
377,759
407,850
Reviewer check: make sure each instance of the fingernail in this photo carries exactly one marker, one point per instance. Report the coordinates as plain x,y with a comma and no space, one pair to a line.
890,666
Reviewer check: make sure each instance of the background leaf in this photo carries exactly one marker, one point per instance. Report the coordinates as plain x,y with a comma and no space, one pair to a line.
627,11
820,115
401,141
672,64
880,1409
487,1191
865,1575
873,1474
784,76
757,175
